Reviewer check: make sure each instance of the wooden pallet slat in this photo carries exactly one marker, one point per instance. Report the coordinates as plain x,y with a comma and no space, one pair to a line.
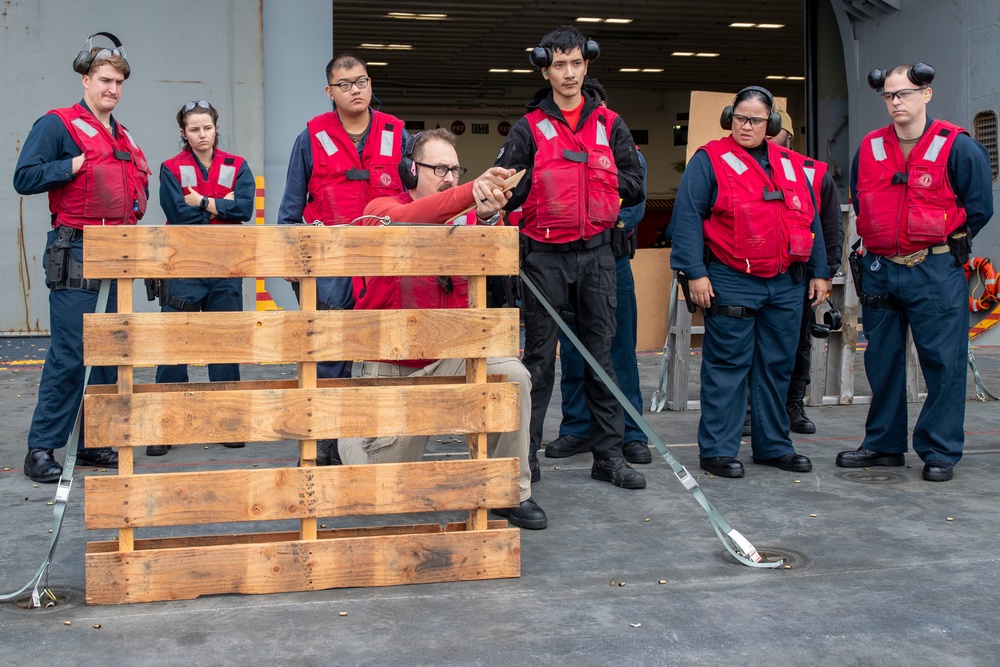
274,494
184,418
302,565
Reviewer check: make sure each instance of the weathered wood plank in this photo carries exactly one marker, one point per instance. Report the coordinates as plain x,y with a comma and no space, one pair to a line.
287,384
297,335
212,251
178,418
274,494
109,546
387,560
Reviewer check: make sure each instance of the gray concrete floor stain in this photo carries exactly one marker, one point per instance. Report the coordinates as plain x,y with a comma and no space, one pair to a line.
879,575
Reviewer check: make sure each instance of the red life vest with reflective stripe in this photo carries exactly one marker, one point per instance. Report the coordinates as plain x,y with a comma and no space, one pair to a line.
759,224
221,176
814,171
574,179
110,188
392,292
343,182
905,205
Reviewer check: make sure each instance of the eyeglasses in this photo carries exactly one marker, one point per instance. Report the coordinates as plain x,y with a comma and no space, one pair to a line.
201,104
104,54
345,86
742,120
904,94
441,170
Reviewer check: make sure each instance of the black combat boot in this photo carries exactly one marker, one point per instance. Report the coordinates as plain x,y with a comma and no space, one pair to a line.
795,406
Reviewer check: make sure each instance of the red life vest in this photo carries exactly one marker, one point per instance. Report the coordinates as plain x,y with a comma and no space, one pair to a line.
759,224
392,292
110,188
815,171
574,180
221,176
342,182
905,205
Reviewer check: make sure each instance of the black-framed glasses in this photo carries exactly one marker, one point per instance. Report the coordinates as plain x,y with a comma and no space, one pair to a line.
903,94
345,86
742,120
441,170
201,104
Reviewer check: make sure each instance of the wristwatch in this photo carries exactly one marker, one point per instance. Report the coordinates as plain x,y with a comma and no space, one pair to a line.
492,220
204,203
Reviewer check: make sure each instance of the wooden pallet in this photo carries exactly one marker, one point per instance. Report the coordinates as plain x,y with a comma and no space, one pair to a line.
127,415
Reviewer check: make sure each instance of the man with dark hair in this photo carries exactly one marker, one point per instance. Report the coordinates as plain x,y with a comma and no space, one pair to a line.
581,160
575,426
922,189
340,162
434,196
95,174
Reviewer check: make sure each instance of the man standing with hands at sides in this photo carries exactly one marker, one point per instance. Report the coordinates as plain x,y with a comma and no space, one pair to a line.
341,161
94,174
922,189
582,167
430,172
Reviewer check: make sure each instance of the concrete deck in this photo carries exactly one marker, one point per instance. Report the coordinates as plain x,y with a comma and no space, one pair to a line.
880,575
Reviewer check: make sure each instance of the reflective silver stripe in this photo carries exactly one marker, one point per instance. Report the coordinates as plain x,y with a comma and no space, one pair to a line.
786,164
386,148
227,174
189,178
602,135
545,127
85,127
327,143
734,162
937,143
878,149
130,139
810,173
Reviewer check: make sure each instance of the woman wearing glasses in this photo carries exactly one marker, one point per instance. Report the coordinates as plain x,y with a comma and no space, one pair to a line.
202,185
747,243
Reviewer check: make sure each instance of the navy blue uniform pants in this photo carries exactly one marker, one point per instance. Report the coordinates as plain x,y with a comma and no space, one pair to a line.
575,415
934,298
584,281
761,346
61,386
211,295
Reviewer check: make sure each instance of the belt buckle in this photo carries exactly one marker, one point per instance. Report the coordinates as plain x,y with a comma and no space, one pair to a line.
915,258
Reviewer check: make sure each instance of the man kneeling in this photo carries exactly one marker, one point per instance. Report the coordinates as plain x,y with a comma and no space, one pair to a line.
430,172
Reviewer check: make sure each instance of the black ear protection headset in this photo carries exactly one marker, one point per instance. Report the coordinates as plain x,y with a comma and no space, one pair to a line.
84,59
920,74
832,321
773,119
407,167
541,56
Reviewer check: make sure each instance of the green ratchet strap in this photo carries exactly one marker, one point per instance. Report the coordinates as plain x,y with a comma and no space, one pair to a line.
735,543
40,581
982,393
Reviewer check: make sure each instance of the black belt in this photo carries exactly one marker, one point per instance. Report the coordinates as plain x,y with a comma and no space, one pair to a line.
736,312
81,283
570,246
77,233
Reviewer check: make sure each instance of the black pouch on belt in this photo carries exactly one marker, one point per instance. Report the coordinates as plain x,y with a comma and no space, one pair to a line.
57,256
960,245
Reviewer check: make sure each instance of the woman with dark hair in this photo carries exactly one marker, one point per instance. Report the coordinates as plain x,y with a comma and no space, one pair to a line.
203,185
747,244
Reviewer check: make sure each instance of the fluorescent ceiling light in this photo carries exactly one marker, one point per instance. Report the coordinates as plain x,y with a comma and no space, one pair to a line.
522,71
596,19
652,70
372,63
416,17
588,19
796,78
630,69
682,53
387,47
742,25
707,54
620,21
770,26
775,77
498,70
